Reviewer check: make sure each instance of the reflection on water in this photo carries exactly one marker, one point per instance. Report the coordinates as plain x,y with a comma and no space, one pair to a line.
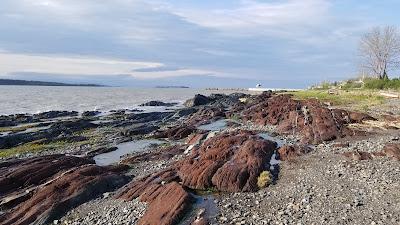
123,149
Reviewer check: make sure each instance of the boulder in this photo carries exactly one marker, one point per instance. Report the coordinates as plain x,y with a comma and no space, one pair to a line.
230,162
197,100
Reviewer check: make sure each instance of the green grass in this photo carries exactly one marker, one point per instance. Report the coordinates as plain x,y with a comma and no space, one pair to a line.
359,99
382,84
31,147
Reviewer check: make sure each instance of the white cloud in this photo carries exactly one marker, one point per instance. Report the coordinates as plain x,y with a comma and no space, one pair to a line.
20,63
253,15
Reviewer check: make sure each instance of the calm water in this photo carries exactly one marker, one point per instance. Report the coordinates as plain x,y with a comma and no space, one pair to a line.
34,99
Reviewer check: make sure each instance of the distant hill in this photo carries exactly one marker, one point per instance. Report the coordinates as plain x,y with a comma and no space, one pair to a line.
42,83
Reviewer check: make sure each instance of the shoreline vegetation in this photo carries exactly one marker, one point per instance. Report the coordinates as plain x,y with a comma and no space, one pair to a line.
44,83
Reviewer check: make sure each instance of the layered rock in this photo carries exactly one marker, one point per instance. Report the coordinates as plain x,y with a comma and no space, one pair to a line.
309,118
23,174
205,115
176,133
158,103
65,191
63,128
230,162
168,207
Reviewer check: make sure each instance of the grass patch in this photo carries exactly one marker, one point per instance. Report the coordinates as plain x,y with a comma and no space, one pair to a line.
31,147
264,179
382,84
358,99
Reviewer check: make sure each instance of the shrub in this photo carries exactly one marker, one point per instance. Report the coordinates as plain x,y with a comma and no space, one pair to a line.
264,179
382,84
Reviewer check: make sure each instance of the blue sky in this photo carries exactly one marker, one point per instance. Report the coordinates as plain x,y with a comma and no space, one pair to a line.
283,43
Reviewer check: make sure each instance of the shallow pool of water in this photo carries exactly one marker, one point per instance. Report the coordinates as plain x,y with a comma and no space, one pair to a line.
124,149
267,136
214,126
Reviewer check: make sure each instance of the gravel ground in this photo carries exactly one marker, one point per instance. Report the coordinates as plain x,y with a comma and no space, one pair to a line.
322,188
106,210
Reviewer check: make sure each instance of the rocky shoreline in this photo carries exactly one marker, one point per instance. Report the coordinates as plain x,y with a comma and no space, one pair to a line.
219,159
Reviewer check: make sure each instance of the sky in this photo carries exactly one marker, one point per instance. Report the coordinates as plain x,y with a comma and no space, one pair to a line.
235,43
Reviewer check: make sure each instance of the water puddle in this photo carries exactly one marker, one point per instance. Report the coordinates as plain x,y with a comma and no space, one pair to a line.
274,161
125,148
267,136
215,126
203,206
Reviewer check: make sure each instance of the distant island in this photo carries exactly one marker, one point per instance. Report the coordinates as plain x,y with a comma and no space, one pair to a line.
172,87
42,83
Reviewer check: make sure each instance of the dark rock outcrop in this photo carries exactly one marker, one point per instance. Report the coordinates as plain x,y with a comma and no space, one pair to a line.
158,103
90,113
139,130
197,100
176,133
63,128
54,114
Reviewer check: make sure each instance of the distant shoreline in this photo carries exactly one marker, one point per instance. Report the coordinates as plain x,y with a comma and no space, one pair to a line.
11,82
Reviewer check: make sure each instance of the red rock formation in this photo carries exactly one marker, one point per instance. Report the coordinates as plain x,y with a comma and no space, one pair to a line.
64,192
309,118
290,152
168,200
147,187
168,207
392,150
230,162
34,171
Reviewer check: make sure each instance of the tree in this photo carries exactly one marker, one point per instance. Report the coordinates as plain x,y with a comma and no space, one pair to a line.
380,51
